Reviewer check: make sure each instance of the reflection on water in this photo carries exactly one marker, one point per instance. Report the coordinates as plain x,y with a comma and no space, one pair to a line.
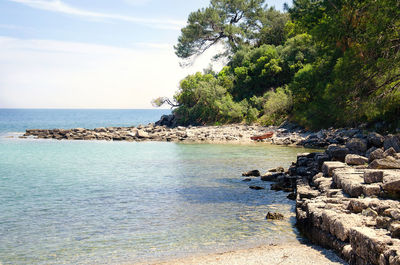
65,202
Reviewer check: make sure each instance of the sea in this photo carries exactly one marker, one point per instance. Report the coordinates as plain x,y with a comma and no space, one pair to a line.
105,202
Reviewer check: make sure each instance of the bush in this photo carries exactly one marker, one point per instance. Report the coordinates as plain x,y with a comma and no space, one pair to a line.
277,106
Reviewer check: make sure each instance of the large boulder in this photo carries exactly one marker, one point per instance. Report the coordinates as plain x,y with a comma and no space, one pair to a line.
373,176
375,139
385,163
167,120
357,146
142,134
392,141
377,154
355,160
337,152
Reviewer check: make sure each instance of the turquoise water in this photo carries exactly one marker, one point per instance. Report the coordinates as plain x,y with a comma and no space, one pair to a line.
95,202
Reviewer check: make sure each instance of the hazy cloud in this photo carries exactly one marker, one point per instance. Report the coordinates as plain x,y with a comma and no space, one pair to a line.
61,7
59,74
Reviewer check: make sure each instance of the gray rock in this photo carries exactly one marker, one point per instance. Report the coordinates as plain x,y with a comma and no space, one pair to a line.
373,176
392,141
252,173
337,152
385,163
329,166
391,182
355,159
369,151
377,154
390,152
271,176
375,139
256,188
357,146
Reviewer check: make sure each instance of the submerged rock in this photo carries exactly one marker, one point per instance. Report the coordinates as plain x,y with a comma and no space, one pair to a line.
256,188
274,216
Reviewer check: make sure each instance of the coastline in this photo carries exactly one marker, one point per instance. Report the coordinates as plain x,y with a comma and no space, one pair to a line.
346,195
286,253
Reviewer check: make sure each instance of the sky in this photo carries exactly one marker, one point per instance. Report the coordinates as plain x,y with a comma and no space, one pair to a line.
93,53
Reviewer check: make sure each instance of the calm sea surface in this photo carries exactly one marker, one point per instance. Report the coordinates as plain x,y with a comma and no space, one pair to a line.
96,202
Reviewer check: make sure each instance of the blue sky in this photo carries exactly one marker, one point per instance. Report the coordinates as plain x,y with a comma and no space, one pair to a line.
92,53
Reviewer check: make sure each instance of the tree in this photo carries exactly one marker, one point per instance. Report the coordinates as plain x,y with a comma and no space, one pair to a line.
232,22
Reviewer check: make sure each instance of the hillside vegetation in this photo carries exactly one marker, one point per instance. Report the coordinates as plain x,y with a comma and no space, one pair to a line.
321,63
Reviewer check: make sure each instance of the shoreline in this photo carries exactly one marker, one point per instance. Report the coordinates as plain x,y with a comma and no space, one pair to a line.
271,254
347,195
234,133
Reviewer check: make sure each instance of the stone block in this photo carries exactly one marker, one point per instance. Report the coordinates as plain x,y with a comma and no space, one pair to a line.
329,166
373,176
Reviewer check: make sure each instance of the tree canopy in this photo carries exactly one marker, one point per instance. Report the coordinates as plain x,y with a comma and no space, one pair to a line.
322,63
232,22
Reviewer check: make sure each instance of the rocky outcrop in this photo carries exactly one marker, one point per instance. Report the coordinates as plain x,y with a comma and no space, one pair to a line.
351,204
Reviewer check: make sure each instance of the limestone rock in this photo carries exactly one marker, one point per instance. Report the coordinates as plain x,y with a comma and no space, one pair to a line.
391,182
385,163
252,173
274,216
373,176
329,166
377,154
142,134
352,159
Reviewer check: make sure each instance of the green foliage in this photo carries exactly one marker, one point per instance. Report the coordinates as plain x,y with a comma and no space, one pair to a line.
233,22
332,63
277,105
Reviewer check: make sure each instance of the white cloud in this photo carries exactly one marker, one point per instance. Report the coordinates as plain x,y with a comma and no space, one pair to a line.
55,74
61,7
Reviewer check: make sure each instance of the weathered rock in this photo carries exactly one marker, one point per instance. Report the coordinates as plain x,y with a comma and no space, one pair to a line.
395,230
357,146
385,163
391,182
377,154
305,192
337,152
246,179
375,139
142,134
352,159
329,166
256,188
373,176
392,141
251,173
372,190
270,176
274,216
291,196
390,152
278,170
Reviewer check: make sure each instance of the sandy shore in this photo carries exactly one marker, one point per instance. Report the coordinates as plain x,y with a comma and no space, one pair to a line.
291,253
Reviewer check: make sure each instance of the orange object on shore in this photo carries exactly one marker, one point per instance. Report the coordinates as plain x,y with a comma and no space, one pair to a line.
263,136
